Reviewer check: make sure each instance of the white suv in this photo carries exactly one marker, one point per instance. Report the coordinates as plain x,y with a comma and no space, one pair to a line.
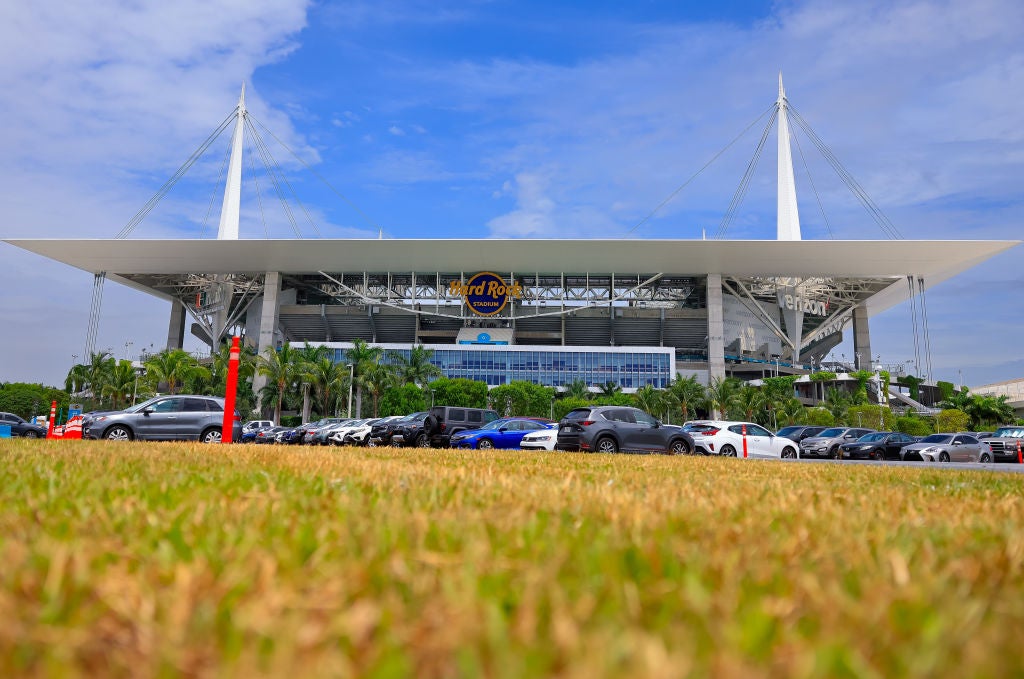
739,439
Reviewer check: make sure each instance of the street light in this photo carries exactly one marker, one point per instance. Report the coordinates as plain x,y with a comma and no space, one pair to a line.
351,379
140,370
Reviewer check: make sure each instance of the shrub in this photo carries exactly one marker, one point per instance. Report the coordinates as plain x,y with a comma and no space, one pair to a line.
876,417
952,420
820,417
914,426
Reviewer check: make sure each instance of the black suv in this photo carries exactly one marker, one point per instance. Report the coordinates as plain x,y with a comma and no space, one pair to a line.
609,429
446,421
20,427
410,432
381,433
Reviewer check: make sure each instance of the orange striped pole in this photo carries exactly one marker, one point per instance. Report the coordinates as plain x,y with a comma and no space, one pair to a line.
228,428
1020,459
744,430
53,420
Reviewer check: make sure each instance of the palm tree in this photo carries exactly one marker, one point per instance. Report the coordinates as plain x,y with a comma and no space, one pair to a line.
650,400
362,356
576,389
92,375
221,361
304,358
688,394
610,388
279,366
721,395
836,403
172,367
377,378
121,383
327,380
791,411
750,400
417,368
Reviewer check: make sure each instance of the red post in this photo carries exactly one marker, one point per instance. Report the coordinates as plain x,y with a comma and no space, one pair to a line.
744,430
53,420
230,391
1020,459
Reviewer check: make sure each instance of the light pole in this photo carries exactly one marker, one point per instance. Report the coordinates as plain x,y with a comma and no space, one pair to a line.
431,398
351,379
140,370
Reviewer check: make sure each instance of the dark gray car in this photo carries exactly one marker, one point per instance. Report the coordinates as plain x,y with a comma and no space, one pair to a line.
826,444
165,418
609,429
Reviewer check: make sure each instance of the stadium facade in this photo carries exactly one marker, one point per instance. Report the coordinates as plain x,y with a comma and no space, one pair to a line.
629,311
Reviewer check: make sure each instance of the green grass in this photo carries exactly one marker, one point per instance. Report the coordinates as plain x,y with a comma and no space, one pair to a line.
182,559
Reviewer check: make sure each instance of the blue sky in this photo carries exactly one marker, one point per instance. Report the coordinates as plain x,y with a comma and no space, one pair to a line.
507,120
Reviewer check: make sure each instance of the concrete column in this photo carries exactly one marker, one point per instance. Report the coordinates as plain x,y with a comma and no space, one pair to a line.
861,339
268,321
716,328
176,326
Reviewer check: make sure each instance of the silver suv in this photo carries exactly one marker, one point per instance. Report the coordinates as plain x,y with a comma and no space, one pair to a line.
165,418
826,444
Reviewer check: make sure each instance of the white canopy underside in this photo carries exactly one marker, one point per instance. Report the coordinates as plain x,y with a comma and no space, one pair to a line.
935,261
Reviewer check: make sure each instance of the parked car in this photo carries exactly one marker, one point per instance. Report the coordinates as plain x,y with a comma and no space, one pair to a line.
450,420
741,439
878,445
335,436
799,432
826,443
542,439
166,418
20,427
359,435
411,432
1004,442
948,448
269,435
609,429
317,434
381,433
255,425
505,432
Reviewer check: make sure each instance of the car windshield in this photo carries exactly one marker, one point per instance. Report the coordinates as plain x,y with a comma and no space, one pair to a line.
1017,432
832,433
936,438
785,431
496,424
145,404
870,438
578,414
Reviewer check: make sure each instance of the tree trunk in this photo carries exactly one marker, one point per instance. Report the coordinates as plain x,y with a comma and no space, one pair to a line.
305,403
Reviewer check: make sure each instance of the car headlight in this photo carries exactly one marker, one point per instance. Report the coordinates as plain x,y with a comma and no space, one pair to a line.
541,437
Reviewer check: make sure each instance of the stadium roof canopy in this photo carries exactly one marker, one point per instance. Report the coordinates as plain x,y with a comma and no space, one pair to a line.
132,261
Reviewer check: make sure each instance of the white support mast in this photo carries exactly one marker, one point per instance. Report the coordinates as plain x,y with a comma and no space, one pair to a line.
788,224
229,211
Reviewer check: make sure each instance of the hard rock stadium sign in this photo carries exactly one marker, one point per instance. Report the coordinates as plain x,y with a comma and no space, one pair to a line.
486,294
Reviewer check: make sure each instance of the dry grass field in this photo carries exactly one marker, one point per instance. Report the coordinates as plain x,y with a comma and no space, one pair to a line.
152,560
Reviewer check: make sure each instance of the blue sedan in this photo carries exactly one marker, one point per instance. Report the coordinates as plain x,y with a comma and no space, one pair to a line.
503,433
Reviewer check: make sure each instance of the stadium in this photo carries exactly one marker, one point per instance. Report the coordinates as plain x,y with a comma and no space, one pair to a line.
632,312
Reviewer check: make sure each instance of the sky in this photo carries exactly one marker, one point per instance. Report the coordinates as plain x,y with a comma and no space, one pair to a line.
510,119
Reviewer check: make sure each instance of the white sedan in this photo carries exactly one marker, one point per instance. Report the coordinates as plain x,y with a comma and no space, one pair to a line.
739,439
541,440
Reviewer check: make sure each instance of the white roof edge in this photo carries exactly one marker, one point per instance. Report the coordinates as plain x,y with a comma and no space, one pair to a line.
933,260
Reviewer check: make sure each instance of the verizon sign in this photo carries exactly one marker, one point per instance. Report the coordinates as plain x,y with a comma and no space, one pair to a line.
807,305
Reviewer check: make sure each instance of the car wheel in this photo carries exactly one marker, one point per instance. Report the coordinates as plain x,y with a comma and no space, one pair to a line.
833,453
728,451
31,434
788,453
606,444
422,441
878,455
943,457
118,433
679,448
985,458
211,435
485,444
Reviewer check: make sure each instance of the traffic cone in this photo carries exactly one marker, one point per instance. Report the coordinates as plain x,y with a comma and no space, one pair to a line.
53,420
1020,458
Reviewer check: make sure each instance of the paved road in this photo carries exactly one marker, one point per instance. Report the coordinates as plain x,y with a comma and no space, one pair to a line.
995,467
